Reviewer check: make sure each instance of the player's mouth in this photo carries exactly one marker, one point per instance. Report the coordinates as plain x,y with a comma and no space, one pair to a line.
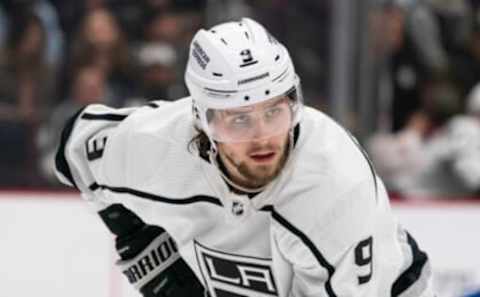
263,157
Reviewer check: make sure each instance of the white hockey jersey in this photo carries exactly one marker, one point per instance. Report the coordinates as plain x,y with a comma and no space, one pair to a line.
322,228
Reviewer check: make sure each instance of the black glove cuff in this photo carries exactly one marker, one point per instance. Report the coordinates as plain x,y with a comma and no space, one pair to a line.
120,220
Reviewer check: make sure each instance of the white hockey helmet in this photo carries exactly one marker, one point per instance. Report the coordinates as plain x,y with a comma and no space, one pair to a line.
240,67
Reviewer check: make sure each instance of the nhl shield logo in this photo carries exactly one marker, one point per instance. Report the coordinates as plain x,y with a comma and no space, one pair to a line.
229,275
238,208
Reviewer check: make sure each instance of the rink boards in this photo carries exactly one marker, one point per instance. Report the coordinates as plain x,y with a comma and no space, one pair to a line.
54,245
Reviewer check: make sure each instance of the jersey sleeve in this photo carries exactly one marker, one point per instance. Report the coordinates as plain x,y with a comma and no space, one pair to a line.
79,160
94,151
351,249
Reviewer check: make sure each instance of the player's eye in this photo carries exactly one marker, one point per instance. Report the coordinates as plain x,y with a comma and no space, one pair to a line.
240,121
273,112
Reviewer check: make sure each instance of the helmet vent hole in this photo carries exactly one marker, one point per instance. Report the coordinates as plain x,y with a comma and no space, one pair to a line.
213,31
246,98
267,92
277,57
246,35
217,74
223,40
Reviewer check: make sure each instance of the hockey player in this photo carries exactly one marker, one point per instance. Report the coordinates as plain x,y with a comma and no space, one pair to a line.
239,189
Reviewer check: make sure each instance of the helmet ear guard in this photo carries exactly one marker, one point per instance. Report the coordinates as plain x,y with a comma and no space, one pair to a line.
238,64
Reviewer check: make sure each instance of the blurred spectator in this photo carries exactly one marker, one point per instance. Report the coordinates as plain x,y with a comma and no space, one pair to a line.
466,61
417,56
434,155
48,17
406,53
133,15
228,10
165,28
89,86
397,156
464,136
27,77
130,14
100,41
54,38
423,28
454,18
173,29
71,12
26,86
157,72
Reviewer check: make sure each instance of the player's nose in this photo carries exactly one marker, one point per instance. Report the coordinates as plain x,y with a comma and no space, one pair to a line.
260,130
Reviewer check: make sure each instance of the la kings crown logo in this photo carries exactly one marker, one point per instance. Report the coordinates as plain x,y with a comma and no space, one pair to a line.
228,275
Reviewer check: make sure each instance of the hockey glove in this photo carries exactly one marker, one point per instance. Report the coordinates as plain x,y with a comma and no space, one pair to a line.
149,257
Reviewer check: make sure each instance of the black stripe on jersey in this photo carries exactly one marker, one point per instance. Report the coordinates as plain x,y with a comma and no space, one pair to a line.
367,158
413,272
61,163
112,116
149,196
310,245
94,187
105,117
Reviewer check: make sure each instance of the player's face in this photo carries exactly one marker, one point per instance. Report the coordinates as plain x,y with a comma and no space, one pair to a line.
253,122
254,164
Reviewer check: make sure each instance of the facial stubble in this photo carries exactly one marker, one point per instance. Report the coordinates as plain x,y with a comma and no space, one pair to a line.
254,176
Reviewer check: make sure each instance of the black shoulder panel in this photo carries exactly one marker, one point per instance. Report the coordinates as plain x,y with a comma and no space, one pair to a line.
413,272
61,163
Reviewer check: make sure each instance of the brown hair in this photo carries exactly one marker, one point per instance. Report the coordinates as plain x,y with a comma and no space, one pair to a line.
201,142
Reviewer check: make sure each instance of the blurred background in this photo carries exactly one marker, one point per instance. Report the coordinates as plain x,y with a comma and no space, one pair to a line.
402,75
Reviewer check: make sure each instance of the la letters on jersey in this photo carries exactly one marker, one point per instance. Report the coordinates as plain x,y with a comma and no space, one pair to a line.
228,275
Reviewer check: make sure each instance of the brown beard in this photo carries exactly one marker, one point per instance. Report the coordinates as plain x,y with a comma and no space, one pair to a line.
252,178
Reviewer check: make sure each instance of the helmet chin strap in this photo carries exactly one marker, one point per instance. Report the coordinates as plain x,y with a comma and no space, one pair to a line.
213,154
